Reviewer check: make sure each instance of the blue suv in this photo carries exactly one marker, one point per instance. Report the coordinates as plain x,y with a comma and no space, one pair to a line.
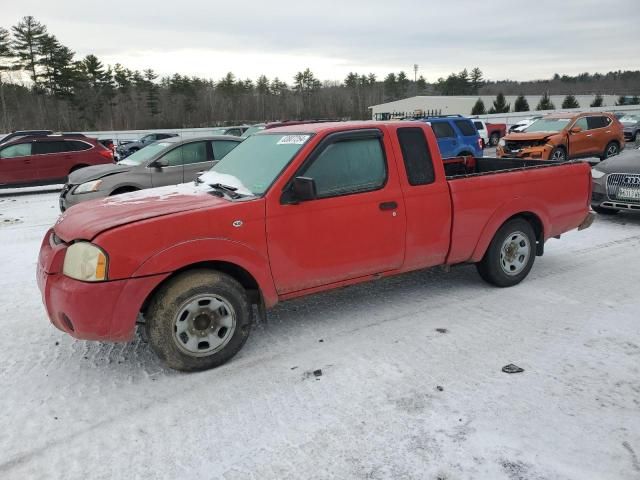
457,136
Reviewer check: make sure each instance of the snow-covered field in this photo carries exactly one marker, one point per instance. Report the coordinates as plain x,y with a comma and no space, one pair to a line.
410,387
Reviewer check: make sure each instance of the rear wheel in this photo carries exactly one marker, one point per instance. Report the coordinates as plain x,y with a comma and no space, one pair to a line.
612,149
510,255
494,139
605,211
558,154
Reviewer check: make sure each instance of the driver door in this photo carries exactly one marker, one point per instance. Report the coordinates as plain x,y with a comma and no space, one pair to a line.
579,143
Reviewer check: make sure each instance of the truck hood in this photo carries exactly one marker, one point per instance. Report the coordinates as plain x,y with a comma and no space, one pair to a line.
528,136
627,162
95,172
88,219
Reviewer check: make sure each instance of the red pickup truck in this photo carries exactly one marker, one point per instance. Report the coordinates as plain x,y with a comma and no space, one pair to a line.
289,212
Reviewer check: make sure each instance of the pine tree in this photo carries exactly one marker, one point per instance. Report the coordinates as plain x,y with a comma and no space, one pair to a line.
421,85
545,103
478,108
570,102
476,80
57,64
27,46
153,104
500,105
463,82
597,102
6,55
521,104
390,87
403,84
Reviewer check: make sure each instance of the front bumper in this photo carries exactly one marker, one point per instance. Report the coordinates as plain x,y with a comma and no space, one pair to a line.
90,310
600,197
533,153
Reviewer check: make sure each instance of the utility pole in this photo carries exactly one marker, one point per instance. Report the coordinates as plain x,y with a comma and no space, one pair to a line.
415,72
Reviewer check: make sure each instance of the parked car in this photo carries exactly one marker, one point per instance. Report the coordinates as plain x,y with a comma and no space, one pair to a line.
253,129
616,184
457,136
560,137
24,133
289,212
166,162
491,133
48,159
524,123
126,149
236,131
631,125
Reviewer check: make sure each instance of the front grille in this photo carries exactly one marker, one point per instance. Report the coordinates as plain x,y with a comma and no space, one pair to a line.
624,187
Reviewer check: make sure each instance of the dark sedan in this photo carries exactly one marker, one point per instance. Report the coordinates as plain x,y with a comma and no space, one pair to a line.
166,162
616,183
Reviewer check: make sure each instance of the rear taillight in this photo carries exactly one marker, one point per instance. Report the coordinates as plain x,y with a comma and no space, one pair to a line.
108,154
480,144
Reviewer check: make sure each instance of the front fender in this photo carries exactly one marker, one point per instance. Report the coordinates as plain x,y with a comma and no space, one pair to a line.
505,211
213,250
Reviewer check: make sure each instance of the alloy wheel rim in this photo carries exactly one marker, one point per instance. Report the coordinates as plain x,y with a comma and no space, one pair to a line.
204,325
558,155
515,253
613,150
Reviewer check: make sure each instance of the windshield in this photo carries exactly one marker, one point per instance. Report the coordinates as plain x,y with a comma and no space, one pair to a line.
548,125
253,165
145,154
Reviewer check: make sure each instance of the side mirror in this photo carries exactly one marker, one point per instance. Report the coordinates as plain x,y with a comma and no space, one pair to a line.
159,164
304,189
575,129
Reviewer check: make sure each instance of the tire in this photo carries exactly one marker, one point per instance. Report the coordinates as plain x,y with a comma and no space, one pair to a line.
605,211
188,333
558,154
494,139
505,268
611,150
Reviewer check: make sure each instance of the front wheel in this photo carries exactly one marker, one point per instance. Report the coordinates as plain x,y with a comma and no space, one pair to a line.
558,154
199,320
494,139
510,255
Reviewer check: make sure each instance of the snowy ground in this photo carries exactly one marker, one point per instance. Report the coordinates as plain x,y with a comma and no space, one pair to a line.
411,383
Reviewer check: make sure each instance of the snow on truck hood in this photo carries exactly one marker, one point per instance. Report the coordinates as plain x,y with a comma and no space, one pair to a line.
88,219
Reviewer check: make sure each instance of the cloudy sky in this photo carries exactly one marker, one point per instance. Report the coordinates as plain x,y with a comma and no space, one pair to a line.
516,39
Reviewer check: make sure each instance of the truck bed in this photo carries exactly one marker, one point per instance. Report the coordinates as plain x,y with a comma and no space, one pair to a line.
464,167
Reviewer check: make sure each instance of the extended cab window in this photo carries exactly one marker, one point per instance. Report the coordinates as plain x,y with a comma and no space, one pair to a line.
19,150
466,127
443,130
416,156
349,166
185,154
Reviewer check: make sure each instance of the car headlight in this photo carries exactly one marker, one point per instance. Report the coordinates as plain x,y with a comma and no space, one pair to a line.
88,187
502,143
86,262
597,173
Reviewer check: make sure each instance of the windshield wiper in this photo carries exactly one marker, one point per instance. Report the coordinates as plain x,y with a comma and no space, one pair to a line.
228,189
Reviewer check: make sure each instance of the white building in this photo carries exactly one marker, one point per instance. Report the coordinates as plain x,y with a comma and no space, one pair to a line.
444,105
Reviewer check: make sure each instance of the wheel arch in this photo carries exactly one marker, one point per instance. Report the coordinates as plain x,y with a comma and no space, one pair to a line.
520,208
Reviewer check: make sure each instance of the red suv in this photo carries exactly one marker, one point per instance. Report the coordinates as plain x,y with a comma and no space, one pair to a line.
47,159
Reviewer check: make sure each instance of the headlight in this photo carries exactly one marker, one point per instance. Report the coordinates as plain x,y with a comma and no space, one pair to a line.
502,143
597,173
84,261
88,187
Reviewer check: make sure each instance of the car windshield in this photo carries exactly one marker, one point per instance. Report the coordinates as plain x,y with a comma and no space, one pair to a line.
253,165
145,154
629,120
548,125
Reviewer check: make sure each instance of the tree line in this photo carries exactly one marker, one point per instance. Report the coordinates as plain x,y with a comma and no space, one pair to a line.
43,84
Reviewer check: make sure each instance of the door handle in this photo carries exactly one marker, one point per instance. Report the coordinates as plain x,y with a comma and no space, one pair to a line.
388,206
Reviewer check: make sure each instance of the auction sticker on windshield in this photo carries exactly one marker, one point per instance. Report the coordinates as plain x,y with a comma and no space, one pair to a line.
293,140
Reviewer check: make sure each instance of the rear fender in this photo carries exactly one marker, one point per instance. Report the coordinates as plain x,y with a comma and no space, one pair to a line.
511,208
204,250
